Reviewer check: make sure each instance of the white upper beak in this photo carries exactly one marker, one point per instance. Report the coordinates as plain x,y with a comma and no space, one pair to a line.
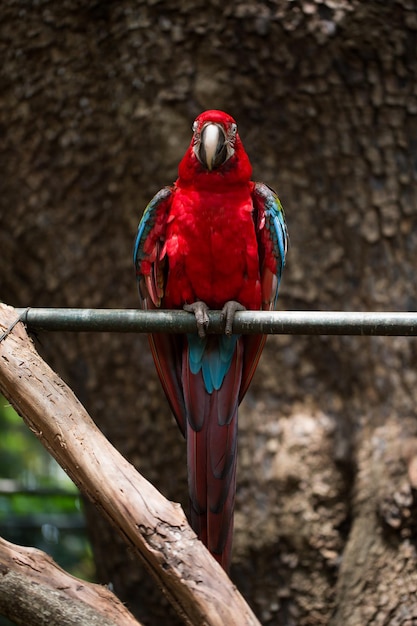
212,138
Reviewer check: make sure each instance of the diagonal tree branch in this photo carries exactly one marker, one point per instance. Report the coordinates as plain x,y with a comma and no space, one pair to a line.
157,529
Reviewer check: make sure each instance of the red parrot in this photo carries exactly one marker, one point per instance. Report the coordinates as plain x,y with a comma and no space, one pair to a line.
213,240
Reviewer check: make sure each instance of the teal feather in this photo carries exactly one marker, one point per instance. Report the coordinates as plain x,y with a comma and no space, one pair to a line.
270,208
212,357
147,223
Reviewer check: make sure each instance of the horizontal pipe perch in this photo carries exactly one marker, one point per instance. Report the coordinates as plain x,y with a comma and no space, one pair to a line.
246,322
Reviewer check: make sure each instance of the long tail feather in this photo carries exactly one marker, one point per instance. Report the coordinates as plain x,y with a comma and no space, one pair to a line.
212,452
204,395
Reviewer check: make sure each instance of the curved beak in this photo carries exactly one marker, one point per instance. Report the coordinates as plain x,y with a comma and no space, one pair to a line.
212,151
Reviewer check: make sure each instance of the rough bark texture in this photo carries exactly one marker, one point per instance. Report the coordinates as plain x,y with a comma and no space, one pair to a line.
34,590
97,103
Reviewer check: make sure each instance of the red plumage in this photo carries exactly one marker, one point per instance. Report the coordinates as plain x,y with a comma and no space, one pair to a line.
213,238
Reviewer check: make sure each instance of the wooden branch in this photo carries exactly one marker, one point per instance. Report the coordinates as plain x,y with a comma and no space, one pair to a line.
155,528
35,590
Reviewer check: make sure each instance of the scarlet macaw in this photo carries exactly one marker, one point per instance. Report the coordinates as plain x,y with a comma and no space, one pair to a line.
212,240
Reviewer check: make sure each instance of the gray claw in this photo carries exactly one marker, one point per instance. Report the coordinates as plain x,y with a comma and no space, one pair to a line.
228,313
200,310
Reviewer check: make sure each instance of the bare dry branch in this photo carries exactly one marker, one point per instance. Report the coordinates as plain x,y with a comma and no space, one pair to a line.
35,590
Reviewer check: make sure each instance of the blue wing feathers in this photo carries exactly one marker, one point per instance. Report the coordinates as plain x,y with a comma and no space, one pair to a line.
148,222
281,232
272,232
275,223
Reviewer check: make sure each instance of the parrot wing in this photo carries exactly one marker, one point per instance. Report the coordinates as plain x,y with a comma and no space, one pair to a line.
151,269
272,236
272,241
148,254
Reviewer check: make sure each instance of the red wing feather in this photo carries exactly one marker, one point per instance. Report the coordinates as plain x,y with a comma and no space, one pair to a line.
150,240
167,352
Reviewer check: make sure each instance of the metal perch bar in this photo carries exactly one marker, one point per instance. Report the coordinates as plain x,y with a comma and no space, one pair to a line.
246,322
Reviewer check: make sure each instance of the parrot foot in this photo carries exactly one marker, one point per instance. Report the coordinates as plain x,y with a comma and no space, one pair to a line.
200,310
228,313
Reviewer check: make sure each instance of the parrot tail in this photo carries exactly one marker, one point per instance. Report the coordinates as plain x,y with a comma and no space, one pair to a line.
211,394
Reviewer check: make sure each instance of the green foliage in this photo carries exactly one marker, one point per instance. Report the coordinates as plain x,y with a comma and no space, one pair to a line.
39,504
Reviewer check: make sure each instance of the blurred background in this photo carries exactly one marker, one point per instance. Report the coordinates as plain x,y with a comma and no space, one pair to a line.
39,505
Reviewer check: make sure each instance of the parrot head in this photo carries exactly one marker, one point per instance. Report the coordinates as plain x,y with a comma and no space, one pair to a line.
215,152
214,138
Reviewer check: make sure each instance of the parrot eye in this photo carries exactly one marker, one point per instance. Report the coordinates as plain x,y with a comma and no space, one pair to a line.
194,126
233,129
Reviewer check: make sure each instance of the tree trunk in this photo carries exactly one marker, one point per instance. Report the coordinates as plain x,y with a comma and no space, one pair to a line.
97,105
